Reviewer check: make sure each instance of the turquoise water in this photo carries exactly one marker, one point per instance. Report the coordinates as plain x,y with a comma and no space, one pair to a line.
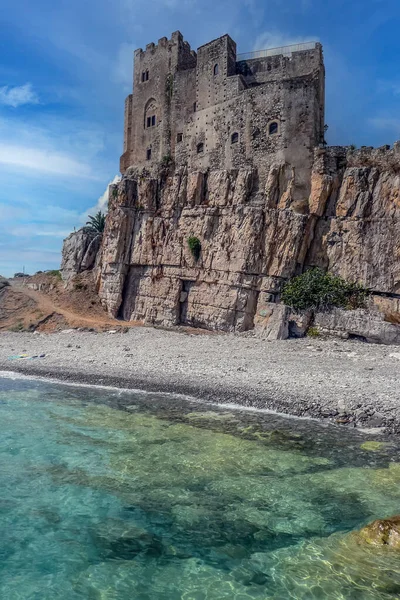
113,496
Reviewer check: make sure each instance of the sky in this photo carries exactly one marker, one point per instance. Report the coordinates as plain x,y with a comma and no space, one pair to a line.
66,68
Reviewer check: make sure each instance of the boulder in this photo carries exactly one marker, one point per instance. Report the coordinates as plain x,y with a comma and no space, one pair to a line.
299,323
79,252
368,325
382,532
3,282
271,321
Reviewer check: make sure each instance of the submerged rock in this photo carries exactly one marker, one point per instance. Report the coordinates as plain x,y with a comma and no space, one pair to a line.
382,532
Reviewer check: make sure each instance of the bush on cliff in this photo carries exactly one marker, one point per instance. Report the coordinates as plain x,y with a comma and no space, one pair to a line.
194,247
318,290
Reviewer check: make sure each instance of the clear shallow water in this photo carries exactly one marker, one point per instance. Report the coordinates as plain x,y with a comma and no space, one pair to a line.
112,496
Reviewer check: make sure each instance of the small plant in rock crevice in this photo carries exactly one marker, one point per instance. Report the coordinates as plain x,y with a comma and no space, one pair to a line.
166,160
195,247
318,290
313,332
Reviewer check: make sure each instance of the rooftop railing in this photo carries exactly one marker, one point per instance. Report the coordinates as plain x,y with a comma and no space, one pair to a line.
285,50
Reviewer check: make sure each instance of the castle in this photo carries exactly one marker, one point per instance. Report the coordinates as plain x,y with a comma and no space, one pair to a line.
228,152
217,110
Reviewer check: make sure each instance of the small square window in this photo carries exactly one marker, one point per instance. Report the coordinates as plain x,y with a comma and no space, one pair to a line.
200,148
148,154
179,137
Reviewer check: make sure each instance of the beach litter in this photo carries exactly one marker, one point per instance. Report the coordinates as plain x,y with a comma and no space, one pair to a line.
26,356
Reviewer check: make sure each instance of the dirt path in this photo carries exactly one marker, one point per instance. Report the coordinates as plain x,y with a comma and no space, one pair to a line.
46,305
24,308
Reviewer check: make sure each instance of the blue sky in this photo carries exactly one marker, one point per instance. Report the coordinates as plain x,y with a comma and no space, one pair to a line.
65,70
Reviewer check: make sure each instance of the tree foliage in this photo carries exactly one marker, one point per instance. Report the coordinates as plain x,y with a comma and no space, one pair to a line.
318,290
97,223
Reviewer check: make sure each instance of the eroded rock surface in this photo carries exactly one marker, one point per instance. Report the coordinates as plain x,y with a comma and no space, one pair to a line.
79,252
252,240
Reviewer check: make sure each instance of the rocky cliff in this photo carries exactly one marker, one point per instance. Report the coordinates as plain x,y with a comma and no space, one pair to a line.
251,240
79,253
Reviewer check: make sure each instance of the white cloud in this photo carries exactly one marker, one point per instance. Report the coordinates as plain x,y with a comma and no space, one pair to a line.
43,161
57,147
18,95
41,230
276,39
102,202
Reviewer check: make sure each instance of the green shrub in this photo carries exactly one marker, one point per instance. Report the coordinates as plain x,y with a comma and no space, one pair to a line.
318,290
195,247
55,273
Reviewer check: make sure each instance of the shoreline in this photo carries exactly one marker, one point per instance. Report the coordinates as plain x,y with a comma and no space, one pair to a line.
348,383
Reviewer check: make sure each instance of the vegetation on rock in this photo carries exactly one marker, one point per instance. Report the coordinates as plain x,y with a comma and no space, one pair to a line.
318,290
97,223
195,247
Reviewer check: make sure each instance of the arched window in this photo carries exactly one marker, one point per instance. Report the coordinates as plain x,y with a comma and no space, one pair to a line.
273,128
150,112
148,154
234,138
200,148
216,69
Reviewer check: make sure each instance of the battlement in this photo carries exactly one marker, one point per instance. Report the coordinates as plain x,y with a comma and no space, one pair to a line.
176,46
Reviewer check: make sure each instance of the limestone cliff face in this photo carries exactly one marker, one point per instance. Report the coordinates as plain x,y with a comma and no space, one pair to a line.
252,239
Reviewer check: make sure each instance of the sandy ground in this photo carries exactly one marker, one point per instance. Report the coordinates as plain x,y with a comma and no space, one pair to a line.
351,383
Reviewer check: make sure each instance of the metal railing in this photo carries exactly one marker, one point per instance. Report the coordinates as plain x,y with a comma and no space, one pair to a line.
284,50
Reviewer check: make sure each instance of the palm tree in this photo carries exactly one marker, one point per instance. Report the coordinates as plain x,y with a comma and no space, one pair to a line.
97,223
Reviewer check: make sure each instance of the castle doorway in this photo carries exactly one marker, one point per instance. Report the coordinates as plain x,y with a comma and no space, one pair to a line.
184,317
